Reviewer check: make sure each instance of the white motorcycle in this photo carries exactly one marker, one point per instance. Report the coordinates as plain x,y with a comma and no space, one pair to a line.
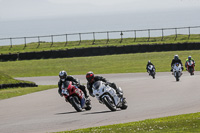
177,71
151,70
107,95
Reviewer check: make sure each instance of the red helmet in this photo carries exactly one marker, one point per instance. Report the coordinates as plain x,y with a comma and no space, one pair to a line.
90,76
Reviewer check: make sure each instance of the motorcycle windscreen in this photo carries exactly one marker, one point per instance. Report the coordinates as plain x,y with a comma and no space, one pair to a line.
66,84
96,85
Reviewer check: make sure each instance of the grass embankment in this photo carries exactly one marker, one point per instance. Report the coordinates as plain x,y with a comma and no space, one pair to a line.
124,63
13,92
46,46
6,79
181,123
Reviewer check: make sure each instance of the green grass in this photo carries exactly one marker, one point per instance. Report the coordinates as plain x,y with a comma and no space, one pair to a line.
124,63
13,92
174,124
6,79
46,46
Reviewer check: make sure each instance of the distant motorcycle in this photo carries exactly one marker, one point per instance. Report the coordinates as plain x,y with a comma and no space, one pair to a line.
75,97
107,95
177,71
151,70
190,67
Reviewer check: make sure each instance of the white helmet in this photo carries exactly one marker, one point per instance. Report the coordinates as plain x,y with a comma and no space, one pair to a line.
176,57
189,57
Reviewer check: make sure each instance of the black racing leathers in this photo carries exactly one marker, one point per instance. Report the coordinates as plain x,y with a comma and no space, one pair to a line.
176,61
74,82
100,78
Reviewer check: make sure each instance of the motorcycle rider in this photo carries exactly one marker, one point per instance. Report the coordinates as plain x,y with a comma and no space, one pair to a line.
149,63
189,59
64,77
176,60
92,79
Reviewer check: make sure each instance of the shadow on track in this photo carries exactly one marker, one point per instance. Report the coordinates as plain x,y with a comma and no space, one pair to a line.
66,113
100,112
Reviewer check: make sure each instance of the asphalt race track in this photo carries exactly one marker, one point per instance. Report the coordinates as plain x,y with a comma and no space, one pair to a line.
147,98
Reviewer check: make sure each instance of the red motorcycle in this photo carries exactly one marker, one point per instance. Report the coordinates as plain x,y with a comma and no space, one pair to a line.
190,67
75,97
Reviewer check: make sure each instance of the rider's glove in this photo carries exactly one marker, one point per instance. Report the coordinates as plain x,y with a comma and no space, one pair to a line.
182,68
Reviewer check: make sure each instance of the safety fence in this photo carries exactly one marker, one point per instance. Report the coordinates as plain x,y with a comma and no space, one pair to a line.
106,35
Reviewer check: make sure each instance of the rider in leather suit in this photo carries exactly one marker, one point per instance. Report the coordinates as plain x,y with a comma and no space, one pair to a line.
92,79
64,77
149,63
188,59
176,60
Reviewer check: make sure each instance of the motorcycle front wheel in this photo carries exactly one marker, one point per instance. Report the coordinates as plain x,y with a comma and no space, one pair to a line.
109,103
76,103
177,76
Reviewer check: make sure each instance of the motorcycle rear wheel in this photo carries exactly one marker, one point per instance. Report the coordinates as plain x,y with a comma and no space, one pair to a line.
88,105
124,104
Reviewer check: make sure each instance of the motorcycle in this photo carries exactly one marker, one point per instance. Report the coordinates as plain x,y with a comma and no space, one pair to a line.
177,71
75,97
107,95
190,67
151,70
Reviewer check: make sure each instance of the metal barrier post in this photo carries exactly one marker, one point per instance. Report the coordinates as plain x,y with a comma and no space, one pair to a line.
135,36
189,32
162,35
10,42
121,37
51,40
93,38
80,38
24,41
148,35
107,37
66,40
38,42
176,34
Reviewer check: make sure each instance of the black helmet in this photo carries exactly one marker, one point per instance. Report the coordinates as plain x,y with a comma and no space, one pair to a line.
90,76
63,75
176,57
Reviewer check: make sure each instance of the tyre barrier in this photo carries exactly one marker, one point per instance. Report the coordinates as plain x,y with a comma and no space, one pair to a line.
3,86
97,51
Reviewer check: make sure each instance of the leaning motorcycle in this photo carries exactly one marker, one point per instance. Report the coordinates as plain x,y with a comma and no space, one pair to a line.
75,97
151,70
190,67
107,95
177,71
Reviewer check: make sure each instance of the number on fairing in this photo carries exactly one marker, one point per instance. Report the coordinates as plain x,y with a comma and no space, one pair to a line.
78,92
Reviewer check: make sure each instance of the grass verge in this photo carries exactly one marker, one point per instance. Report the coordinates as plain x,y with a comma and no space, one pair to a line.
6,79
124,63
186,123
13,92
46,46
